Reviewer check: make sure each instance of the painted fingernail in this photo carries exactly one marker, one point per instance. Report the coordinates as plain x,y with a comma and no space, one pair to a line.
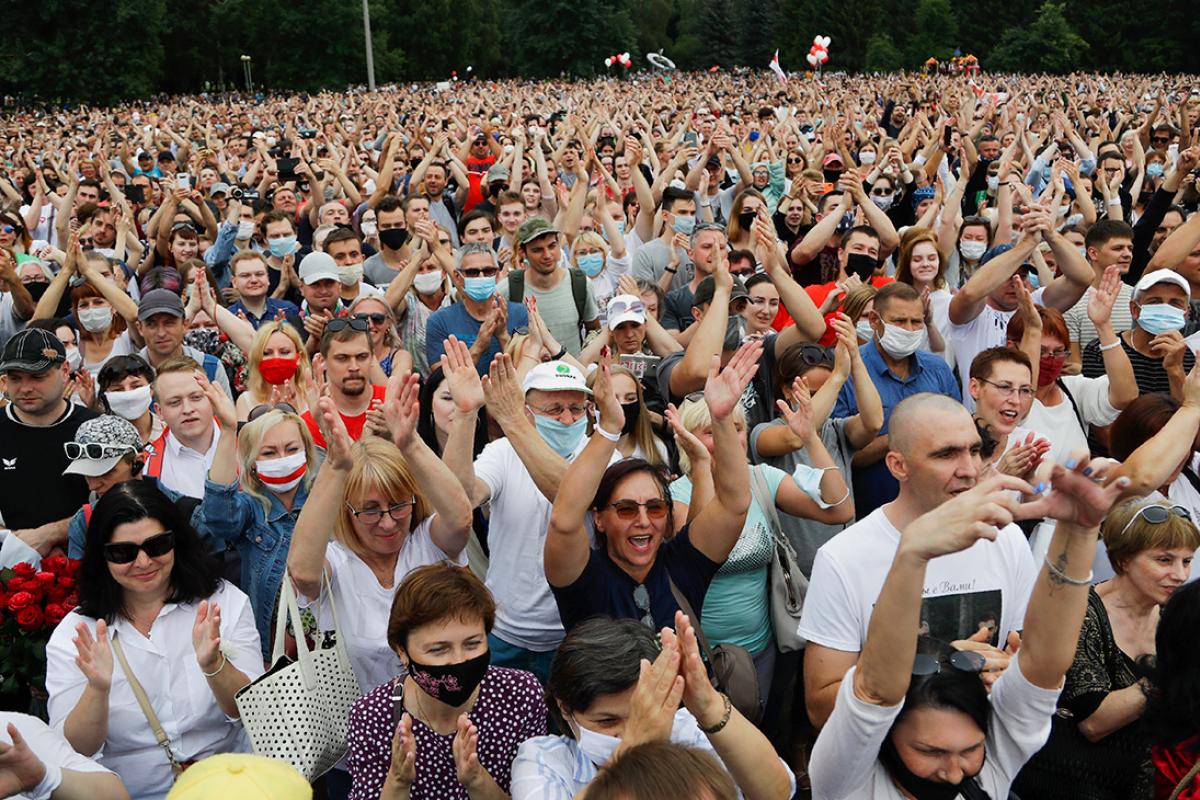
1071,463
1041,487
1087,472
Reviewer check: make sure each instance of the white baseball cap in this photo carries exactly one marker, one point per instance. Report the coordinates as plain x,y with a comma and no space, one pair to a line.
1162,276
555,376
625,308
318,266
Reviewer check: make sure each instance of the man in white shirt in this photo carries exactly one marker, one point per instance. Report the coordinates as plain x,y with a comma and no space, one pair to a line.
37,763
181,457
980,311
978,594
519,476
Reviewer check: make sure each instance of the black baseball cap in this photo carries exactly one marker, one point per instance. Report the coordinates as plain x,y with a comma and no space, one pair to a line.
708,286
32,350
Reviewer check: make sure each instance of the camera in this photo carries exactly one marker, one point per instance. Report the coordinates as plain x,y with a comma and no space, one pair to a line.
243,195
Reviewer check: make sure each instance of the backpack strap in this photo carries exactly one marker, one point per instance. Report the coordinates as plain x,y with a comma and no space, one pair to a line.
579,283
211,365
516,286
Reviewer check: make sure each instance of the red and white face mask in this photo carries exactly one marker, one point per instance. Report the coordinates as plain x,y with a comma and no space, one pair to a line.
282,474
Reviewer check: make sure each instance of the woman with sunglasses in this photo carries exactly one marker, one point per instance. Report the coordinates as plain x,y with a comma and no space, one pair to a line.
1097,749
909,724
256,487
388,348
154,621
278,370
14,236
641,560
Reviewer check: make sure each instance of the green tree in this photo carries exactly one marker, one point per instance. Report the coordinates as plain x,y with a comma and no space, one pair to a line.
1048,45
882,54
551,37
935,32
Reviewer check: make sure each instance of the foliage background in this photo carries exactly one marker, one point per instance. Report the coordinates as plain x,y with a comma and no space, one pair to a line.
68,49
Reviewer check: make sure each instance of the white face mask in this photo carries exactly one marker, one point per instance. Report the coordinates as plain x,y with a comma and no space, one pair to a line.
369,229
428,282
864,330
350,274
867,157
883,203
899,342
95,320
596,746
972,250
130,405
245,229
282,474
74,360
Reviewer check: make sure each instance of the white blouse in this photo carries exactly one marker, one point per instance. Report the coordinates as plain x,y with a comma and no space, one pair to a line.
165,665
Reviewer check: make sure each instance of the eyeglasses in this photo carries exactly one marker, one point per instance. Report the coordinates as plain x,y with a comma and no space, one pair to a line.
479,272
264,408
882,191
656,508
127,552
641,599
1056,353
376,317
341,323
1156,515
95,451
961,660
577,410
372,516
1007,389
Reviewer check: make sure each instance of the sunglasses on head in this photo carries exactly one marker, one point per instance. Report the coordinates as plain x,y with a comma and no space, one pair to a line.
127,552
961,660
375,317
814,355
263,408
1156,515
341,323
656,508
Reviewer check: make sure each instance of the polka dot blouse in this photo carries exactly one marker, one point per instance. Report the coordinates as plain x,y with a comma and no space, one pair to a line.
510,709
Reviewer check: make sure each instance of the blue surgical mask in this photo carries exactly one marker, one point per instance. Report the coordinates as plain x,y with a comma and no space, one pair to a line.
808,479
596,746
282,246
479,288
1154,169
590,264
1034,281
563,439
621,226
684,225
1157,318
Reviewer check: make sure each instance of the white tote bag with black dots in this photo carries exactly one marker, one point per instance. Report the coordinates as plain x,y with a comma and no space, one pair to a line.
297,712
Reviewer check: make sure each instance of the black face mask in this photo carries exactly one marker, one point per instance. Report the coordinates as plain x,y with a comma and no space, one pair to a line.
862,265
746,220
393,238
632,412
452,684
36,290
831,176
923,788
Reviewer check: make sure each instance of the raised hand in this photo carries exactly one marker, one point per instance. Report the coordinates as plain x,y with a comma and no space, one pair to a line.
20,768
800,421
958,523
724,387
700,697
1103,297
206,636
655,698
337,440
612,416
462,379
94,657
223,408
502,392
687,441
402,407
471,773
403,769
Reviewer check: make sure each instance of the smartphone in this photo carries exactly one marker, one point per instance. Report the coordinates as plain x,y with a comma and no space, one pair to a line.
287,168
689,138
947,136
135,193
182,181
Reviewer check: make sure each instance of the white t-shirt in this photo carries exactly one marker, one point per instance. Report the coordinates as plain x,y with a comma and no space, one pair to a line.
165,665
50,748
1060,424
989,329
122,346
526,613
987,583
363,605
845,760
1079,325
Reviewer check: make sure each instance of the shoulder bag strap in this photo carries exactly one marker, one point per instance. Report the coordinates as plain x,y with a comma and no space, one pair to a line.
1083,426
686,607
143,701
762,495
1187,780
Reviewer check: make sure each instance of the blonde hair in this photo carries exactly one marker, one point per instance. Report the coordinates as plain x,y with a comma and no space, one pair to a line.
589,238
856,301
694,415
249,442
391,337
379,465
1123,545
643,433
258,388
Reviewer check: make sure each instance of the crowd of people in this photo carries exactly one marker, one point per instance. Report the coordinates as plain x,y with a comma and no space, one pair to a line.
689,436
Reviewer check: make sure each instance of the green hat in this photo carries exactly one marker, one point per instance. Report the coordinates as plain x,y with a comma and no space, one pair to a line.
532,228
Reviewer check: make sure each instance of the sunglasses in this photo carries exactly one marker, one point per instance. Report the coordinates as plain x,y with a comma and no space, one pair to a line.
883,191
7,229
629,509
480,272
795,161
341,323
813,355
961,660
263,408
94,451
1156,515
622,306
372,516
375,317
641,599
127,552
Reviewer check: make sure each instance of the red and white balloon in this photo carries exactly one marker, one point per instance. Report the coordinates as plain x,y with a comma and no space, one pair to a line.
818,54
620,58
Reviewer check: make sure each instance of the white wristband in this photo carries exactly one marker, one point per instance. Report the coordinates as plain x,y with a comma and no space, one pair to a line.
612,437
50,781
1116,201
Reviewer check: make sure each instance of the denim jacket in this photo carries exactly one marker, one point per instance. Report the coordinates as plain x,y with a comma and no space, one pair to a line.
229,514
78,526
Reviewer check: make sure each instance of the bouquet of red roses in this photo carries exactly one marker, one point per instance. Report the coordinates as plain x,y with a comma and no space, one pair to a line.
32,603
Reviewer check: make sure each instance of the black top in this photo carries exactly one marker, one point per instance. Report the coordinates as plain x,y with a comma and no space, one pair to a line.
604,589
1118,766
33,490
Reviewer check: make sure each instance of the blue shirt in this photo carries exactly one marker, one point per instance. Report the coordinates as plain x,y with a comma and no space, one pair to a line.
274,305
928,372
455,320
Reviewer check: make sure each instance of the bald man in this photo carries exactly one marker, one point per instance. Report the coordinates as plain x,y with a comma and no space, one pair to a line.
975,598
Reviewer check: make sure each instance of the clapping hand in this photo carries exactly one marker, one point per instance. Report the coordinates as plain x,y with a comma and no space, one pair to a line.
20,768
206,636
466,389
724,387
94,657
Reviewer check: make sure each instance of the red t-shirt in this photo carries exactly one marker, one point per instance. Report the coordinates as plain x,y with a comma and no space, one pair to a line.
354,425
818,292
